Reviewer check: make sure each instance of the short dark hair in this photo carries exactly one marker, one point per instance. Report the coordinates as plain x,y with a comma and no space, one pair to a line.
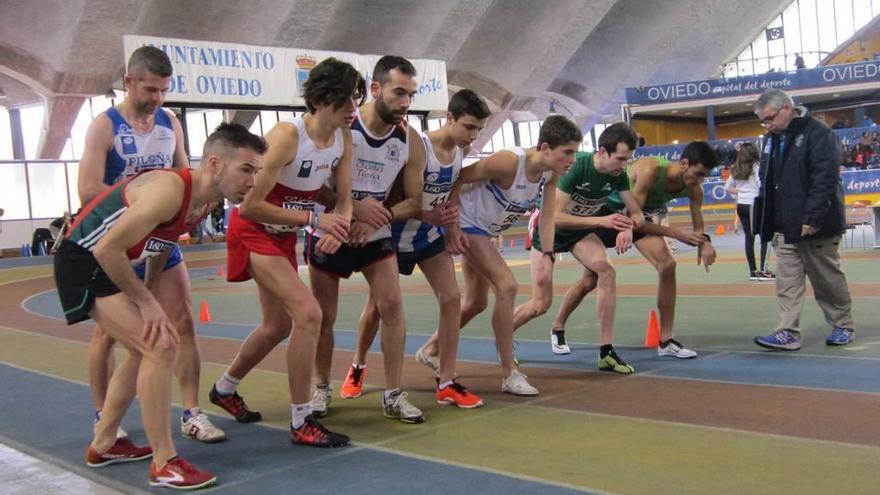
467,102
333,82
557,131
151,59
617,133
228,138
390,62
700,152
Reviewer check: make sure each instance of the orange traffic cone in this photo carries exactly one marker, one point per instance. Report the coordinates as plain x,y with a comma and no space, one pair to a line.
652,332
719,230
204,313
220,271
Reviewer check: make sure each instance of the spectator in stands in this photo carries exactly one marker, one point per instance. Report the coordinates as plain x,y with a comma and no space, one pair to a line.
801,209
799,62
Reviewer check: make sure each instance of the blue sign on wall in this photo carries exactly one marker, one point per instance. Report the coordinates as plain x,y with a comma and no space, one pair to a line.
834,75
854,182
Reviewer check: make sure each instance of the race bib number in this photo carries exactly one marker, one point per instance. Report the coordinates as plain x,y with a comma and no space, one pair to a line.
587,208
293,204
153,247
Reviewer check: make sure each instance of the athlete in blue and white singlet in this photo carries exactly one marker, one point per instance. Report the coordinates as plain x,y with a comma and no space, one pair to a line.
377,162
487,209
134,151
415,235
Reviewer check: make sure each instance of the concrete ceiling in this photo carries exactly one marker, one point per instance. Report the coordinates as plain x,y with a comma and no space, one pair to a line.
519,54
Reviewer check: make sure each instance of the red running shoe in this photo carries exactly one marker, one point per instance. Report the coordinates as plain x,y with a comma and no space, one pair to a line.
234,405
180,475
121,451
315,434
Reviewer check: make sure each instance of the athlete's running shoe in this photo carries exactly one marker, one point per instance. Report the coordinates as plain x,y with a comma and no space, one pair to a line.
673,348
432,362
397,407
557,342
234,405
121,451
612,362
457,395
321,400
180,475
516,384
353,386
315,434
199,427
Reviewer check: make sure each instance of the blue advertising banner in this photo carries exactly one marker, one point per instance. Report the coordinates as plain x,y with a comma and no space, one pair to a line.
854,182
835,75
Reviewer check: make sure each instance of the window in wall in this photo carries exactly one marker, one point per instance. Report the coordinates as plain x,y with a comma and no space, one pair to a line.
792,26
31,127
415,121
213,118
508,135
13,197
286,115
827,25
845,24
525,137
436,123
48,187
72,175
195,128
257,127
5,135
269,119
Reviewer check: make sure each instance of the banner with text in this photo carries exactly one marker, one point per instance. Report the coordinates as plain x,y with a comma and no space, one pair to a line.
834,75
854,182
231,73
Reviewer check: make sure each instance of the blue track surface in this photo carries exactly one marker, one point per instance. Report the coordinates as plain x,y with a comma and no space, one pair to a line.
758,368
49,421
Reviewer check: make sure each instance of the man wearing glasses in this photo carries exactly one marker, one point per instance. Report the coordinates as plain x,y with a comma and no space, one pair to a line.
801,209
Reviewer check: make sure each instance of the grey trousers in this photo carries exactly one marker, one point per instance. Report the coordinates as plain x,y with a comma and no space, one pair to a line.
818,259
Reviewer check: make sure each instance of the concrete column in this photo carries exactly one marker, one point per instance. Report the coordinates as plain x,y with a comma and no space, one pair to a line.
243,117
17,136
710,122
60,115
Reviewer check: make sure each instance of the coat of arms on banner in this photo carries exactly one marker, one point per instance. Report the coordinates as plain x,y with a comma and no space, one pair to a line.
304,65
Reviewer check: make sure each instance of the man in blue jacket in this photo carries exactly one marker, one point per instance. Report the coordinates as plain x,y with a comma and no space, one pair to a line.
801,209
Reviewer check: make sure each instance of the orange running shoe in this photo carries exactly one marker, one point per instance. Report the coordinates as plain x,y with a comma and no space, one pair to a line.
457,395
354,383
180,475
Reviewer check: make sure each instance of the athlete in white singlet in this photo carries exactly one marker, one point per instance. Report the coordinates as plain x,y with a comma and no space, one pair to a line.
383,150
303,154
420,242
497,191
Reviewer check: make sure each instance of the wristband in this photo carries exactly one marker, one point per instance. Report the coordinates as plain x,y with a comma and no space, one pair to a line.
706,236
551,255
313,220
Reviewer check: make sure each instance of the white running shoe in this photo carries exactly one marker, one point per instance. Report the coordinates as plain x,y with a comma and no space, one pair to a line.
675,349
516,384
397,407
120,433
432,362
199,427
321,401
557,343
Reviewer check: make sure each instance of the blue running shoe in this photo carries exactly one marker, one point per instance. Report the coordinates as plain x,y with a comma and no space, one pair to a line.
840,336
781,340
